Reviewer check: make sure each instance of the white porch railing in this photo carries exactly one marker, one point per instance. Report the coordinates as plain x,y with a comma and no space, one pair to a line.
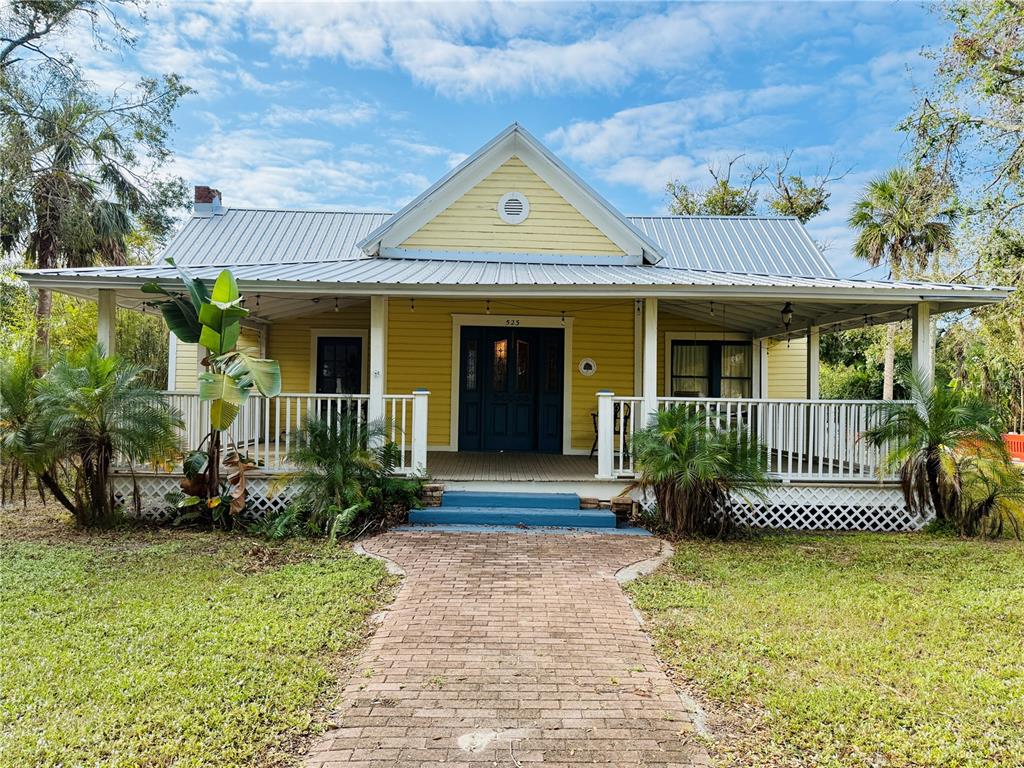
805,439
267,428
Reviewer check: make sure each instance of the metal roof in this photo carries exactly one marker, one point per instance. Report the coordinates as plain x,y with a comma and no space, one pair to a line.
399,273
762,244
251,236
778,246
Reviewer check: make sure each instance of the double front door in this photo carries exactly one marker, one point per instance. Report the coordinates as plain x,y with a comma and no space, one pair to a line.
510,389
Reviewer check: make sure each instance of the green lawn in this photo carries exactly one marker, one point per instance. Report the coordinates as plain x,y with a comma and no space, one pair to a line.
161,648
849,650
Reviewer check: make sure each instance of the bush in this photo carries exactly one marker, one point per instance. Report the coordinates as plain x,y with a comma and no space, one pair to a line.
695,467
948,448
71,425
344,483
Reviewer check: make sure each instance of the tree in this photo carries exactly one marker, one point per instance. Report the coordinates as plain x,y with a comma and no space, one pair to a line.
948,449
80,170
793,195
722,198
695,466
28,27
88,413
902,221
969,126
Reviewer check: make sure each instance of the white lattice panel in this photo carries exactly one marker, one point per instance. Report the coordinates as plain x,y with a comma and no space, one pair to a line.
827,508
153,490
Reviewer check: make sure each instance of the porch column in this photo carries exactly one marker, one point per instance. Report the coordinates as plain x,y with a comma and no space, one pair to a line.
106,320
921,358
760,368
378,343
813,360
650,377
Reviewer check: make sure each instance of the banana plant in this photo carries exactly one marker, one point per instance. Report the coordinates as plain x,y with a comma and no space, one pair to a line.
213,319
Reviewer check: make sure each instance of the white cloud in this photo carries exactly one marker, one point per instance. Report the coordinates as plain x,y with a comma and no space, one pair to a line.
465,50
254,168
339,115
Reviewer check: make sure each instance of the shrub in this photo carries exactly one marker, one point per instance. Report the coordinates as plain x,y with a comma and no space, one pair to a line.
343,484
75,421
948,449
696,467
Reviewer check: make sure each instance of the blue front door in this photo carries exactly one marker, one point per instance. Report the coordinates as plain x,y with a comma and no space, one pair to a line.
510,389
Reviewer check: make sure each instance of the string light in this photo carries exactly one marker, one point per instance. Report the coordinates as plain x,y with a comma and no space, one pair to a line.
257,302
412,305
335,303
563,318
712,308
488,306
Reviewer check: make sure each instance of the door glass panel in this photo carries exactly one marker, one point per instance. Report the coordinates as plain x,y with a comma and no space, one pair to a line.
522,366
552,376
500,368
471,352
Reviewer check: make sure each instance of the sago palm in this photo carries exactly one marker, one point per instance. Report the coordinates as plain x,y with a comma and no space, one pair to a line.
698,468
98,410
900,222
927,440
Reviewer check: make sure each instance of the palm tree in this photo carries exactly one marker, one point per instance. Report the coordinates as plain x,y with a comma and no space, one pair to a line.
80,196
95,411
931,440
344,476
695,466
901,222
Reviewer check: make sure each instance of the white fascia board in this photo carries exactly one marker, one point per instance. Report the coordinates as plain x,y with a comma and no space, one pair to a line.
509,257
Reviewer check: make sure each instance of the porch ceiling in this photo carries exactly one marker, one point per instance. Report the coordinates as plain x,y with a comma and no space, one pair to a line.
763,319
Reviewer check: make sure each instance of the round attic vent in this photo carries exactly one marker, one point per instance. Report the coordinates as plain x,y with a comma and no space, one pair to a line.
513,207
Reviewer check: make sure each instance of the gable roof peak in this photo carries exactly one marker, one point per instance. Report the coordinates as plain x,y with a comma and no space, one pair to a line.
518,141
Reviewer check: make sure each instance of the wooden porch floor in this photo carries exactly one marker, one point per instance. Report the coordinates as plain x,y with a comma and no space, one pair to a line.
509,467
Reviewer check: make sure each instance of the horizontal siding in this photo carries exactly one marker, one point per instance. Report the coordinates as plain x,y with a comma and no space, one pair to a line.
289,342
186,361
420,353
787,365
472,223
787,369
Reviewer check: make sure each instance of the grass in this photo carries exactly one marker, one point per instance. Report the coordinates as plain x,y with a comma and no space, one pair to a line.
849,650
159,648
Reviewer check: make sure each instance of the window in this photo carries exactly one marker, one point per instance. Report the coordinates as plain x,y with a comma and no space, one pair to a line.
711,369
500,366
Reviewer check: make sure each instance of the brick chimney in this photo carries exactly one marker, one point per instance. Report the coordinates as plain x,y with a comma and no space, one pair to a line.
207,202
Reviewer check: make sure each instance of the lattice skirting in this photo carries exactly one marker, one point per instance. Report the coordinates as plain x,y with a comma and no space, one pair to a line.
828,508
153,490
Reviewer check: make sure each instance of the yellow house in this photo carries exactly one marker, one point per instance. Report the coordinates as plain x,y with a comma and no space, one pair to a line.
510,324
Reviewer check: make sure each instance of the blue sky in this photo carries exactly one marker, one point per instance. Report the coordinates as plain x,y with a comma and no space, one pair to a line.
362,106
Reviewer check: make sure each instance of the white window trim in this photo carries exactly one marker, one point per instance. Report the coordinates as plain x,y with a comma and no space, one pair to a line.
522,321
315,334
671,336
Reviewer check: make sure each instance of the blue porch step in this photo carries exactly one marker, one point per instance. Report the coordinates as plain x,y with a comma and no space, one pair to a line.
551,518
550,510
513,500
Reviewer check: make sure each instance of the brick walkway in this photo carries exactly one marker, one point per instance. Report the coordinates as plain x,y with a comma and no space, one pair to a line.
504,649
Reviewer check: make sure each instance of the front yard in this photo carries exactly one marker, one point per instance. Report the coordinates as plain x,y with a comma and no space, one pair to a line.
170,647
849,650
